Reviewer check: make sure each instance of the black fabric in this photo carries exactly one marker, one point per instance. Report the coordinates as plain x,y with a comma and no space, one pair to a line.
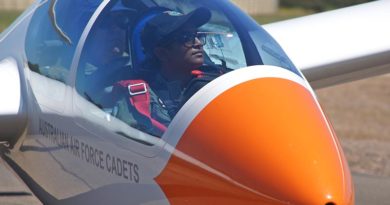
197,83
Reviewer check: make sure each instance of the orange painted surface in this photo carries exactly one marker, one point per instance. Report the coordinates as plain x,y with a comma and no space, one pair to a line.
262,142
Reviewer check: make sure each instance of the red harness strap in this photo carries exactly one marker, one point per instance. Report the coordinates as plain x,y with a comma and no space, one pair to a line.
197,73
140,99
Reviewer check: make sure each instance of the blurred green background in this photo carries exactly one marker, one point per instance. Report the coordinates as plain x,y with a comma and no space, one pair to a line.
320,5
6,18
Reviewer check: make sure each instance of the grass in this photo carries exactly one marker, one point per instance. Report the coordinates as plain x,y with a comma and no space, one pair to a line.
7,17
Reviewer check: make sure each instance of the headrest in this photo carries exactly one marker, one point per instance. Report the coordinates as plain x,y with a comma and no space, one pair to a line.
136,44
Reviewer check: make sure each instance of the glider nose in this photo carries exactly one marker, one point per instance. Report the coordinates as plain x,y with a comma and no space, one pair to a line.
265,141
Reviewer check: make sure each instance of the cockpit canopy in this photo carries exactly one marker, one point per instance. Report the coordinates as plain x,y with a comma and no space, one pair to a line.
112,53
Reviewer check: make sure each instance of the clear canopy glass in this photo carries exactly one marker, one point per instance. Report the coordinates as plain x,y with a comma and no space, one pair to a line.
114,70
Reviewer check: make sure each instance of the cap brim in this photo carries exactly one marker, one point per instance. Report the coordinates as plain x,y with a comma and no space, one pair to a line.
198,17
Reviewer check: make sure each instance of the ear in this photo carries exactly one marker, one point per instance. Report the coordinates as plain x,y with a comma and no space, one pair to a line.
162,54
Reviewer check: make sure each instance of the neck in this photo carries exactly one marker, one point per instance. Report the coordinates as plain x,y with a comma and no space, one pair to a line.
171,73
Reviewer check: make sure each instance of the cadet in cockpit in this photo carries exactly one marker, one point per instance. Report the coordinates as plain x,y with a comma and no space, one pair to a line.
174,52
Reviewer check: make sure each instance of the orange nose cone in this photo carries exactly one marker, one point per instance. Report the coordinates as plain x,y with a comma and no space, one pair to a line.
265,141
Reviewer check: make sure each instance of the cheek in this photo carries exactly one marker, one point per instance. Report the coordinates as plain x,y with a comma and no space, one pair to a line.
178,54
188,57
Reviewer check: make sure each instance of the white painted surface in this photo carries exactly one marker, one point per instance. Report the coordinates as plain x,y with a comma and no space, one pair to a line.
336,35
9,87
343,44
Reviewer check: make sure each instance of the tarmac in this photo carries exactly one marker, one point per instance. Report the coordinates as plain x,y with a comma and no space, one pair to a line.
371,190
13,191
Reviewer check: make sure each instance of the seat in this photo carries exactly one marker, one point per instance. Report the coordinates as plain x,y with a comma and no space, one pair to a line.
138,54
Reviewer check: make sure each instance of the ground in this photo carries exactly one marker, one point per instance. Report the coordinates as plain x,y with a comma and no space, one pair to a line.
360,114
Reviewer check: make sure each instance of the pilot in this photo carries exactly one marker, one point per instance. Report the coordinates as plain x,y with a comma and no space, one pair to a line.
106,53
174,51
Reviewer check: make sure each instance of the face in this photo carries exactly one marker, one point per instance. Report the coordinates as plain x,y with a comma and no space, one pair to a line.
185,52
111,47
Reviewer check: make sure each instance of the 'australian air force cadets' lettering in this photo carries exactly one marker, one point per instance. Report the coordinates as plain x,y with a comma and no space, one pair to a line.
95,157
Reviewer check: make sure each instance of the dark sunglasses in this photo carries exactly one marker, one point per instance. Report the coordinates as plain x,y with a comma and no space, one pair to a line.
188,39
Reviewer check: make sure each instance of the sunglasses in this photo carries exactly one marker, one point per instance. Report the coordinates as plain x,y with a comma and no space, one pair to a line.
188,39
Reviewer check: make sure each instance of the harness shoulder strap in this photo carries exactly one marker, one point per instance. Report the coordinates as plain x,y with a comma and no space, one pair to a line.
139,97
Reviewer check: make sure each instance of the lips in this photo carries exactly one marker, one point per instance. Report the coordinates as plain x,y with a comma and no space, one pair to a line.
196,53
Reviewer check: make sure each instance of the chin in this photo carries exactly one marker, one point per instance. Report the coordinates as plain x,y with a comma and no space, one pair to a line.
197,63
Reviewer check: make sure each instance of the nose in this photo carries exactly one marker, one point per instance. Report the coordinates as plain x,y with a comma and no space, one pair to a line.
265,141
197,43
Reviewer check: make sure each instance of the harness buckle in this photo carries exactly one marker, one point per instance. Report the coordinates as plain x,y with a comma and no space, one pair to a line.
137,89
